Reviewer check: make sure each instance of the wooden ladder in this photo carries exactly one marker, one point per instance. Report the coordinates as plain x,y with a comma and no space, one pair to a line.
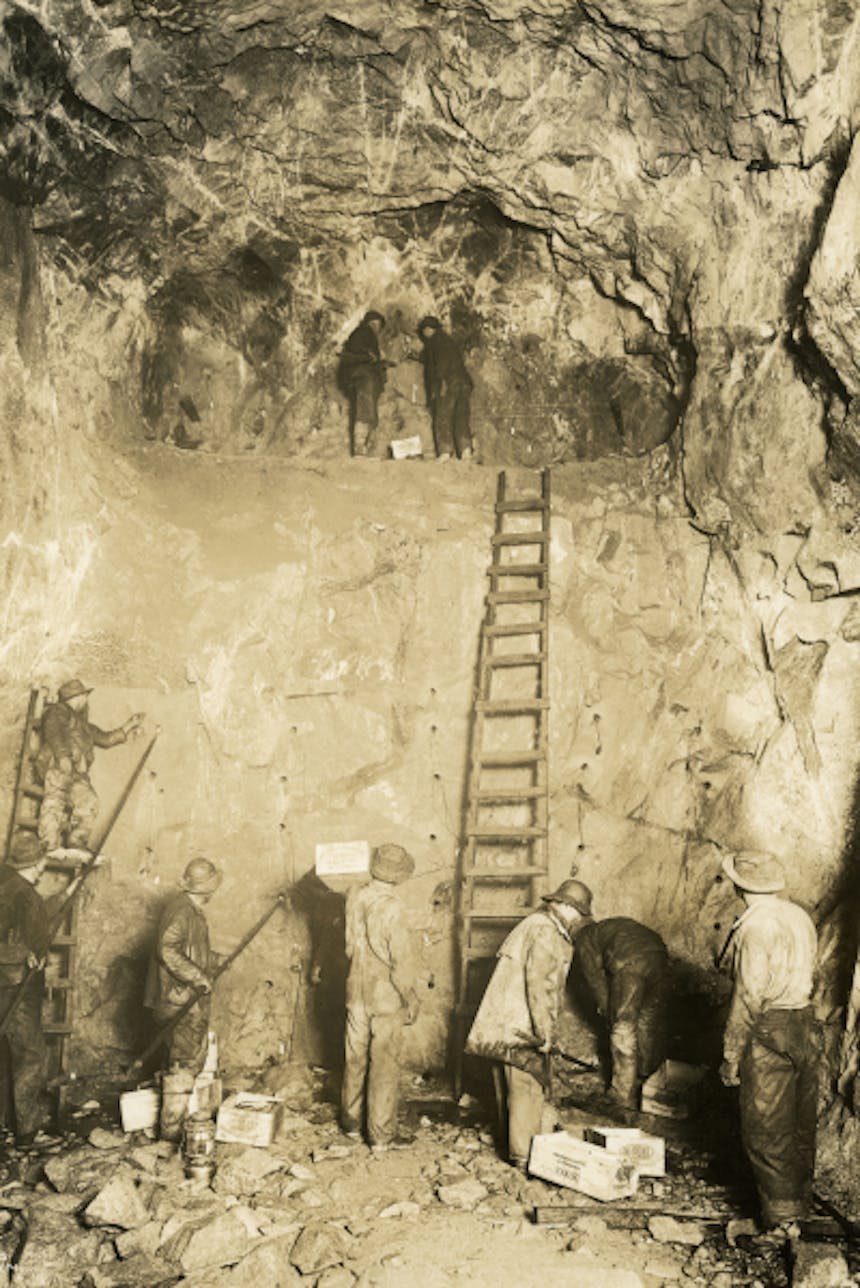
59,1008
504,860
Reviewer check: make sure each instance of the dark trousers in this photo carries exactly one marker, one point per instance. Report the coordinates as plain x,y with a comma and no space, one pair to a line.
637,1024
779,1110
22,1058
370,1095
187,1041
451,430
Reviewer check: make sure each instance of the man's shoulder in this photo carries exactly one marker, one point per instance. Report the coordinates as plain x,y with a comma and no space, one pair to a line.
12,883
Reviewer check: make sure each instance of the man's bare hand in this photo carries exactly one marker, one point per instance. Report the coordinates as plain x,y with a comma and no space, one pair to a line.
134,724
729,1075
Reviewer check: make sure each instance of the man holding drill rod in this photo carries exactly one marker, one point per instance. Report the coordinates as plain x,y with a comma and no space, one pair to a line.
183,964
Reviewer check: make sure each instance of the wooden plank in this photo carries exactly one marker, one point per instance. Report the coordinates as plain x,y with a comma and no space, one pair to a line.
501,794
511,706
494,629
539,537
524,503
515,659
508,834
505,874
518,570
503,759
517,597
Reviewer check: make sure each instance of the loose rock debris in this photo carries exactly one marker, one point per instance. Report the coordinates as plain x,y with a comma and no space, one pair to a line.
116,1211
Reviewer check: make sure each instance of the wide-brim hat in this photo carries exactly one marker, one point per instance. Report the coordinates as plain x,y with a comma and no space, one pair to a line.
757,873
72,689
26,850
575,894
391,863
200,877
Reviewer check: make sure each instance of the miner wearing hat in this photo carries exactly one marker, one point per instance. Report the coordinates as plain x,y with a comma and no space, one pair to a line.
380,999
517,1020
448,387
24,941
624,967
361,379
183,963
772,1042
70,805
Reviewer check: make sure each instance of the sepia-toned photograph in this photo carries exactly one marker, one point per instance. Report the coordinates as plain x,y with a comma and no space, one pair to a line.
430,644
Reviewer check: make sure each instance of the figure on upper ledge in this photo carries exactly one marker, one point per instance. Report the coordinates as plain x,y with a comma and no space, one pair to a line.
448,387
361,379
70,805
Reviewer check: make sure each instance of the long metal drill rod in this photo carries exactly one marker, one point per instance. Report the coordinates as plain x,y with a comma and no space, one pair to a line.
201,992
57,920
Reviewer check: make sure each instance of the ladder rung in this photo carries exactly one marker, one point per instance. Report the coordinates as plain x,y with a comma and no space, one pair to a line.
510,794
515,659
497,916
506,833
517,596
525,503
58,985
537,538
510,706
518,570
53,1029
36,792
26,825
64,941
515,628
499,759
503,874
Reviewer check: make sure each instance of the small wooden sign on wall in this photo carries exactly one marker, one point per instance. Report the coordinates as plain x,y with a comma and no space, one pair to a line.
342,858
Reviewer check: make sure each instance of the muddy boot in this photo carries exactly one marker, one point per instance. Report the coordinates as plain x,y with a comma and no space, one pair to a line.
176,1088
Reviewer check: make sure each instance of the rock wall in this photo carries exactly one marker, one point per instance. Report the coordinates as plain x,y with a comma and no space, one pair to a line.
638,219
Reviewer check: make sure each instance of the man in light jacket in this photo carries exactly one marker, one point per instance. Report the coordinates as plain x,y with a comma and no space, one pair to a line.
380,999
518,1016
772,1043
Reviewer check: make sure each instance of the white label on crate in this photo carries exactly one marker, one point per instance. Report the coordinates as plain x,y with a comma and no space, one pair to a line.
341,858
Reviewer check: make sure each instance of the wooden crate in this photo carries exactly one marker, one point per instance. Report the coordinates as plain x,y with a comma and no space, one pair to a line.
579,1165
249,1119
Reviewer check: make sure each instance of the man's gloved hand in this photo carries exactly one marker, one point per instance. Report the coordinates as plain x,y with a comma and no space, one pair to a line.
729,1076
205,986
545,1046
34,962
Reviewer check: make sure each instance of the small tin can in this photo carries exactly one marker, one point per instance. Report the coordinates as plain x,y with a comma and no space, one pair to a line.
198,1146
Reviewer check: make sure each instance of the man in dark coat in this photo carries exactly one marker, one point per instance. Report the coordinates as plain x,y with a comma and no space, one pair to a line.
70,805
624,966
24,941
361,378
182,963
448,387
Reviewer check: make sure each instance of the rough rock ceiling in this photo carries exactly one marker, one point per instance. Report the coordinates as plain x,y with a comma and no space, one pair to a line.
256,166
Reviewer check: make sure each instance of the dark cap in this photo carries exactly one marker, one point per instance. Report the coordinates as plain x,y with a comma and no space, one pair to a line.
429,323
26,850
391,863
575,894
374,316
71,689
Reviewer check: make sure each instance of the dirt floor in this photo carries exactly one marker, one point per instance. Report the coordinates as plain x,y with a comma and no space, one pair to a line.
96,1207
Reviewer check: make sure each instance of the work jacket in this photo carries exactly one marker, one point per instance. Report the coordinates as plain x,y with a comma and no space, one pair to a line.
66,732
381,955
24,926
523,997
444,368
614,946
182,960
360,358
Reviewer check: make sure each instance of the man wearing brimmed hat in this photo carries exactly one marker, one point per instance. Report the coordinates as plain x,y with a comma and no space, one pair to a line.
624,966
70,805
361,378
380,999
182,963
772,1043
24,938
522,1000
448,387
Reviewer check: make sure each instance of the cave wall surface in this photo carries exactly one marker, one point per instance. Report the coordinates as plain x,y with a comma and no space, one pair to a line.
638,218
